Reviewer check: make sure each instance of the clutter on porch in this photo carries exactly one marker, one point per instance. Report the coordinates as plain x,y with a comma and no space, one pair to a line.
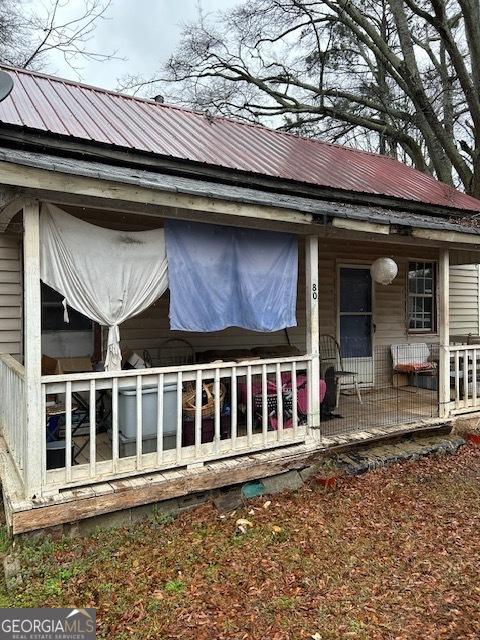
261,402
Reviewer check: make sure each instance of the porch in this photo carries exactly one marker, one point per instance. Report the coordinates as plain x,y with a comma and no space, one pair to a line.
98,412
79,434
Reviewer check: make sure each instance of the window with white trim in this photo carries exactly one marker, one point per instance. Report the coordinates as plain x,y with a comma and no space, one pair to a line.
422,312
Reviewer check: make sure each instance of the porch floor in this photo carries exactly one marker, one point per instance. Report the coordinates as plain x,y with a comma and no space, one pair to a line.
381,408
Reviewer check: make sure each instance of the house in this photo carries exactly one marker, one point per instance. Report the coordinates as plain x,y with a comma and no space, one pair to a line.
242,404
465,300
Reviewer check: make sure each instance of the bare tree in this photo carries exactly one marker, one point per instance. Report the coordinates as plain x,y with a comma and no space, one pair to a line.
400,77
29,36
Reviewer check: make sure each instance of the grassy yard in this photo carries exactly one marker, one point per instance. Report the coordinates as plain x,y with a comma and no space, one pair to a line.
392,554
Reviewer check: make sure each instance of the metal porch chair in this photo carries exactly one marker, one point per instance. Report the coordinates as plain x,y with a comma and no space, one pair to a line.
330,355
175,352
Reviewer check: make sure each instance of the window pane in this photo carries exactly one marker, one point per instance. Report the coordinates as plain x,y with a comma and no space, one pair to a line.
428,305
421,296
412,281
355,290
356,336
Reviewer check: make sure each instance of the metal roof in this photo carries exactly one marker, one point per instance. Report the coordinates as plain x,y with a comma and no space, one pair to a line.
47,104
190,186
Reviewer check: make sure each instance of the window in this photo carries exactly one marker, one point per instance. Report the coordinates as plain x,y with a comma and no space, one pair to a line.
52,313
421,297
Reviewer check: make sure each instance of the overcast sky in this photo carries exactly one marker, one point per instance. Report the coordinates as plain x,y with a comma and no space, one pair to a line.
143,31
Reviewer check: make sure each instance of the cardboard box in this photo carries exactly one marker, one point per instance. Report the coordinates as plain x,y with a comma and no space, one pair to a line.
57,366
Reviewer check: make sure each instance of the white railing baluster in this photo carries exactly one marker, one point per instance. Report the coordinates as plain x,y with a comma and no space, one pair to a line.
233,408
264,404
279,402
115,435
44,431
140,460
5,407
160,398
457,379
198,413
19,431
294,400
179,417
249,406
12,423
139,406
309,396
12,410
68,431
474,377
93,428
465,377
216,404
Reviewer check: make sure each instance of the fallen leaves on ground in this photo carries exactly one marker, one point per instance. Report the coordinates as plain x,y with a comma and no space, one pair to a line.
391,555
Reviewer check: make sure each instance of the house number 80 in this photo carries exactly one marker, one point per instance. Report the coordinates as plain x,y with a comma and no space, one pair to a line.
314,291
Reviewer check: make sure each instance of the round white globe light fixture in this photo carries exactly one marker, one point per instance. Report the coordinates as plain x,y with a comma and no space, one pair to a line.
384,270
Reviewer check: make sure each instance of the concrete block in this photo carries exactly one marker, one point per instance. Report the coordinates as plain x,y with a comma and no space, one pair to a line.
192,500
253,489
289,481
308,472
228,500
12,571
143,512
115,519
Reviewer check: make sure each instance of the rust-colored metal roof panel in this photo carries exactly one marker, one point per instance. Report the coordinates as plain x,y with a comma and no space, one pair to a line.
43,103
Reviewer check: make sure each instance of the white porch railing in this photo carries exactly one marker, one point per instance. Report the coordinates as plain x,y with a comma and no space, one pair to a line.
464,378
176,441
12,409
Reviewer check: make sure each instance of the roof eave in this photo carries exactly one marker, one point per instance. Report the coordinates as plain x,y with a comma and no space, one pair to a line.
96,152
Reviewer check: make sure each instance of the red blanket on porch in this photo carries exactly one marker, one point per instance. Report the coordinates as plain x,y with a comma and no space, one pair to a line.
302,394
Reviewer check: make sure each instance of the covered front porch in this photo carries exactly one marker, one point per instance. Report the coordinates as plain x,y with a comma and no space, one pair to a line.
224,398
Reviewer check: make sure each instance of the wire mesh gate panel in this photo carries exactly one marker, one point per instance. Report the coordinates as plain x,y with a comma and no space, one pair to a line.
404,390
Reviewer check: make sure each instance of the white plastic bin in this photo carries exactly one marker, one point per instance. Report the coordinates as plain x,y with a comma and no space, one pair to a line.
127,411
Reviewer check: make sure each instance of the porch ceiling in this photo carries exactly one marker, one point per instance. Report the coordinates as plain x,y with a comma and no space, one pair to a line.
47,176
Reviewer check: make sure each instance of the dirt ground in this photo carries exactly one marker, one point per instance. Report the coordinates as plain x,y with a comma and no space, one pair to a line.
391,554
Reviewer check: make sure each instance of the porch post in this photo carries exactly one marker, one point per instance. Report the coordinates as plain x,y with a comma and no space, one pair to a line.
311,297
32,349
444,332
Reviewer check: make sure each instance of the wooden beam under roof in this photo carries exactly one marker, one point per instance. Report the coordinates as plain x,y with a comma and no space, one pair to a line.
55,182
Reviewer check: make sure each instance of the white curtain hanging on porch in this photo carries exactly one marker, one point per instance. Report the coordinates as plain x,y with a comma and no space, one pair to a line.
107,275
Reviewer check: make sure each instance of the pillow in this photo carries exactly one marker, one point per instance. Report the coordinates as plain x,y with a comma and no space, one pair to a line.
412,367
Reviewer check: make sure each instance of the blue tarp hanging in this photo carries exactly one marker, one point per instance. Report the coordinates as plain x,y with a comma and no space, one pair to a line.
223,277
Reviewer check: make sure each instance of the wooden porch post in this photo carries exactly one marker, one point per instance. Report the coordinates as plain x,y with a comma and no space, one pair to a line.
32,349
444,332
311,297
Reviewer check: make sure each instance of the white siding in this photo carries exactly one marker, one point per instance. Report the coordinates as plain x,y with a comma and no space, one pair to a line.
389,304
464,299
10,295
